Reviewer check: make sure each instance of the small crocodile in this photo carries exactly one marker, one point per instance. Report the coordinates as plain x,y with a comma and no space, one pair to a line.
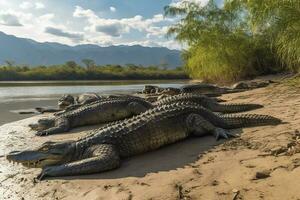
68,100
94,101
104,148
199,88
208,103
90,114
252,84
204,88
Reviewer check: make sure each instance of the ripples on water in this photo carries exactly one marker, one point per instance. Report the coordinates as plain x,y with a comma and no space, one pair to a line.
15,91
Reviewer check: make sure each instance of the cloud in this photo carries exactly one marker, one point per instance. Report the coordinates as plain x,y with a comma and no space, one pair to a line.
80,12
179,3
39,5
113,29
30,5
117,27
9,20
66,34
112,9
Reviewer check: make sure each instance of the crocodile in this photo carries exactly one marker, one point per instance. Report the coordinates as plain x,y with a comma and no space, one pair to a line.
252,84
90,114
208,103
102,99
204,88
103,149
82,99
199,88
68,101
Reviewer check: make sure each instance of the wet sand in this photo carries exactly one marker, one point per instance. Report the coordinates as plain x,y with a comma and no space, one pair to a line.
9,110
263,163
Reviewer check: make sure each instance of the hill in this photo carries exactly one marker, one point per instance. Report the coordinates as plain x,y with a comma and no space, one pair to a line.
30,52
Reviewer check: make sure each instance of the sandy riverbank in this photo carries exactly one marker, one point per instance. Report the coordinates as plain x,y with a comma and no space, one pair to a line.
257,165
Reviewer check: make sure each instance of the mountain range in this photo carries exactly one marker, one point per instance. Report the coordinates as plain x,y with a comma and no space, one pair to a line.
24,51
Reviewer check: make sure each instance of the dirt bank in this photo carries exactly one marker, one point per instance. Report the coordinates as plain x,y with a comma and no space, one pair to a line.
263,163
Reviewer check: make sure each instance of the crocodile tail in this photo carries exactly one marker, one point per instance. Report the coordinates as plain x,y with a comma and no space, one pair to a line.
232,108
248,120
228,91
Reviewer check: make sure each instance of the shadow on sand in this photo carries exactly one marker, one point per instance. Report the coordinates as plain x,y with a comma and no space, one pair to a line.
167,158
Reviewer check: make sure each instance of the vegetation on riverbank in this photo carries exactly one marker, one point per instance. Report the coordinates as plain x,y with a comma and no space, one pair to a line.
72,71
294,81
239,39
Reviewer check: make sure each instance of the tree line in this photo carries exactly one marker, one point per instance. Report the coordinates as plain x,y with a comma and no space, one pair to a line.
239,39
73,71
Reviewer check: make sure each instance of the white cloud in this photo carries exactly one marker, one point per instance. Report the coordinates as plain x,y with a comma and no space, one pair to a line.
39,5
9,20
112,9
117,27
80,12
31,5
26,5
179,3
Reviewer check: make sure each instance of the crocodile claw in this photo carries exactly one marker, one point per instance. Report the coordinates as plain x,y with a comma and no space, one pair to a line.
222,133
46,172
41,133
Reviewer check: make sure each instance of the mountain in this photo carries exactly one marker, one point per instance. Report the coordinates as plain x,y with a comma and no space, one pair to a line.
30,52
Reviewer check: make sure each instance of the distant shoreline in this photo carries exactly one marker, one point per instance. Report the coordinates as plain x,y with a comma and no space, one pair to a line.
88,82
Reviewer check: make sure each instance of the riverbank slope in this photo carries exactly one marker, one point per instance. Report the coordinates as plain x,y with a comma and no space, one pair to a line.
263,163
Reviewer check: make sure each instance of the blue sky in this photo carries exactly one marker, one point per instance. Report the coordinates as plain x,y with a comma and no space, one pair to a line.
101,22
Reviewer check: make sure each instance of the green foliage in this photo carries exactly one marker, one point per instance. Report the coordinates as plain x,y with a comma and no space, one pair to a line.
236,41
71,71
281,20
89,63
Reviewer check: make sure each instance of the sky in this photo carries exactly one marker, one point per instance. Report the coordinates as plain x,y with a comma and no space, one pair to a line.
100,22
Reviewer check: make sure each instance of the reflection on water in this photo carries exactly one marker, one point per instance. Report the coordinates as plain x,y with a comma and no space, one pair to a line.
16,96
13,91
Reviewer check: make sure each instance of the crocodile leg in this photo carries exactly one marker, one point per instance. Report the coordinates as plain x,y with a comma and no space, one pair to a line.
102,157
200,126
61,125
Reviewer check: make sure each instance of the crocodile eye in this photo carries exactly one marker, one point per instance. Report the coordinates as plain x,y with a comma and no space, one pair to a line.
45,149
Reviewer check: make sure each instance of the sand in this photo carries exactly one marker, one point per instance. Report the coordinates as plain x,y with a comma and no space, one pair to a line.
263,163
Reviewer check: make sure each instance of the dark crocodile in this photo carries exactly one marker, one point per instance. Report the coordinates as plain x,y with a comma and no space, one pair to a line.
199,88
204,88
252,84
102,99
90,114
208,103
103,149
68,100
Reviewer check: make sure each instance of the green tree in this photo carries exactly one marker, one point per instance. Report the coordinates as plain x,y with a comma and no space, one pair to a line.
71,64
280,19
9,63
89,63
221,44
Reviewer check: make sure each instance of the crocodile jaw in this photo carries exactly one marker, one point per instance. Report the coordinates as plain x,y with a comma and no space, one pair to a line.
33,159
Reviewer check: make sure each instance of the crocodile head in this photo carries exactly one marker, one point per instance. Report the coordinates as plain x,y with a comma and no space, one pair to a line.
42,124
49,153
65,101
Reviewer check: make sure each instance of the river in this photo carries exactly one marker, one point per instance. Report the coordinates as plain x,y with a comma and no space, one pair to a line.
26,95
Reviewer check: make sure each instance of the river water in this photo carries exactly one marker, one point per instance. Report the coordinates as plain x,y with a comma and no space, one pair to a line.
26,95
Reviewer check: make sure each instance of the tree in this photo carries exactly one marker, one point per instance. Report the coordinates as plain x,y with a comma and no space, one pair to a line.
89,63
9,63
280,19
221,45
71,64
